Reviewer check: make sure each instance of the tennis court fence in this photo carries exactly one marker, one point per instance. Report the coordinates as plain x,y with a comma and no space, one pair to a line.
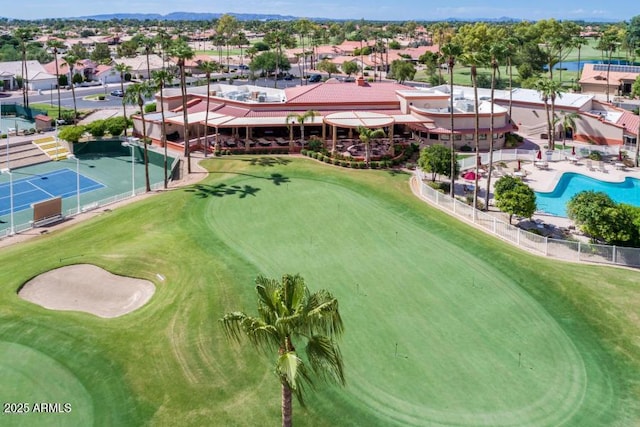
542,245
20,228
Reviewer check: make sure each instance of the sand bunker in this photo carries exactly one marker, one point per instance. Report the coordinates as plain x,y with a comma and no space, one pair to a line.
85,287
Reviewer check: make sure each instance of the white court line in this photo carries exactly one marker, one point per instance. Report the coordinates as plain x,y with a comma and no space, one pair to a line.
39,189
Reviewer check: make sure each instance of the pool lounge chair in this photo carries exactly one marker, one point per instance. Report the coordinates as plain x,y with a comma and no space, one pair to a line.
602,167
590,165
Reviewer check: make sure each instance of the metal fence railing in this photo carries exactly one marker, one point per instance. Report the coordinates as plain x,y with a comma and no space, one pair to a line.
506,155
547,246
20,228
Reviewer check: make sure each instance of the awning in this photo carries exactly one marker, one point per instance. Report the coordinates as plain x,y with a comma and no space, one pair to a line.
354,119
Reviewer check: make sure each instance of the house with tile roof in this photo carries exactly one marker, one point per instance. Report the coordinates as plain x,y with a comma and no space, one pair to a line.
37,78
138,64
620,78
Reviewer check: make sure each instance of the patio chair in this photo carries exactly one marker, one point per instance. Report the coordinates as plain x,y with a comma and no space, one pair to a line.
602,167
590,165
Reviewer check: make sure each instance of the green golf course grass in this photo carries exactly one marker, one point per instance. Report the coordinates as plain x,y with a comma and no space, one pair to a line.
444,324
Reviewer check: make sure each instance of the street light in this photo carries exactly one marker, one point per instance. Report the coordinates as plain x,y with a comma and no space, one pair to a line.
8,171
133,170
71,156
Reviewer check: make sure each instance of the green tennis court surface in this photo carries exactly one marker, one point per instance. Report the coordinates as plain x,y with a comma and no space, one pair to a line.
61,183
103,176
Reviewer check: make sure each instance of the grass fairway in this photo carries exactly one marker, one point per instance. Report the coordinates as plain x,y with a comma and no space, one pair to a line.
444,325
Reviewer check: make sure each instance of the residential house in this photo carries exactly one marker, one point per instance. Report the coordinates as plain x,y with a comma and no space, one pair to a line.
620,78
38,78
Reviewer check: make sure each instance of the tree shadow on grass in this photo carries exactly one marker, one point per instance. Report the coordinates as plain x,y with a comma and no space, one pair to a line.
221,190
398,172
275,178
267,161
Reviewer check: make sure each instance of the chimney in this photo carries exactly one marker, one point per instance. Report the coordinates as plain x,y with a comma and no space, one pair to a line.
360,81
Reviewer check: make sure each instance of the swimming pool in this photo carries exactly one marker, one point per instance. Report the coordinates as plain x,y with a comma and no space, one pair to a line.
570,183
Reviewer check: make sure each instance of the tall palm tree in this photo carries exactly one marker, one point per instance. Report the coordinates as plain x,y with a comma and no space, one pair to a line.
24,35
147,45
136,93
608,43
183,52
301,119
451,51
288,313
241,40
123,69
303,27
578,42
163,40
71,60
366,135
473,59
160,78
55,46
207,67
497,51
549,90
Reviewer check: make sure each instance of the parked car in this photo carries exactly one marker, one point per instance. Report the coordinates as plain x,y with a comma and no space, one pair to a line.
117,92
315,78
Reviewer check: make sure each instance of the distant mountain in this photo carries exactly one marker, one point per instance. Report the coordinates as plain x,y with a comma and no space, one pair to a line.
187,16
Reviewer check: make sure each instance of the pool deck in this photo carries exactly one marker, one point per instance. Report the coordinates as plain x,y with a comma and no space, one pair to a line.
545,180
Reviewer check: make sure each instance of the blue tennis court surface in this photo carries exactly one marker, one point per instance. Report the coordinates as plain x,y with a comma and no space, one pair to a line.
36,188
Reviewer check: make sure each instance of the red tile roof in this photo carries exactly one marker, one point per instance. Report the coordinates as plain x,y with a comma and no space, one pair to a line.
230,110
589,75
630,122
331,93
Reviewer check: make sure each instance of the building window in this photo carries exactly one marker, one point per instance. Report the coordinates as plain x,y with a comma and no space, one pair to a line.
433,136
444,137
482,137
468,136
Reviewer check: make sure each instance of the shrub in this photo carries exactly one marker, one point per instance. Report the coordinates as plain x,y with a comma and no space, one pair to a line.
361,165
97,128
595,155
315,144
303,152
101,97
150,108
326,159
115,125
344,163
443,187
374,165
466,148
353,165
72,133
334,161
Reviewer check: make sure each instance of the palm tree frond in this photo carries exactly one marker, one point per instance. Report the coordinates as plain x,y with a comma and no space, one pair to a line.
231,323
325,358
287,368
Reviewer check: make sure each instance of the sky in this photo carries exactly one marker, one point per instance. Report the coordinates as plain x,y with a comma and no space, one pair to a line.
400,10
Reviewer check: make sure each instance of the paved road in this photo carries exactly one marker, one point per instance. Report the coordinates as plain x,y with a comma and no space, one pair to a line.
111,102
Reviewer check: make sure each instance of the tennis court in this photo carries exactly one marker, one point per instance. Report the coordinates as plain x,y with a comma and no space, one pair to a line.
108,172
26,191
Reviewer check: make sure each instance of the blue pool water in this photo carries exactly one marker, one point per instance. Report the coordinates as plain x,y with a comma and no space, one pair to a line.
555,202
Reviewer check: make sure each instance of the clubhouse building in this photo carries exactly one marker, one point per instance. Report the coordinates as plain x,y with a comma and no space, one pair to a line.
242,117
